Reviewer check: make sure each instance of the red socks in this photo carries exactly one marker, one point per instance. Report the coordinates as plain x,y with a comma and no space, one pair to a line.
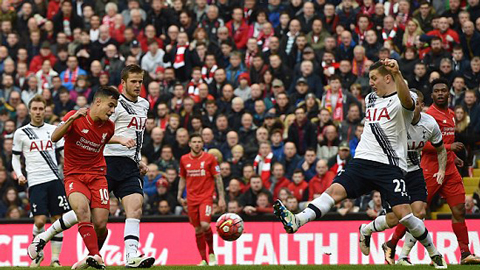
89,236
201,245
461,231
398,234
209,239
101,239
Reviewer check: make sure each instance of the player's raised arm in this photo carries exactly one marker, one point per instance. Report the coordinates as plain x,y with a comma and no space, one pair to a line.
402,88
62,129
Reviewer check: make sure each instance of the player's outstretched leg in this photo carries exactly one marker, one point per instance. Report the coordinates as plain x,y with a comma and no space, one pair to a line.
316,209
418,230
66,221
133,209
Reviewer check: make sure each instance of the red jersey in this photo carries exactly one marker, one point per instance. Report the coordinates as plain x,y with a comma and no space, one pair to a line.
199,173
299,190
446,121
318,185
84,143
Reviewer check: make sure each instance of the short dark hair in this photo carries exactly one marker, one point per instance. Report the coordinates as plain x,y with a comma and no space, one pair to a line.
107,91
195,135
298,171
420,95
380,67
440,81
131,69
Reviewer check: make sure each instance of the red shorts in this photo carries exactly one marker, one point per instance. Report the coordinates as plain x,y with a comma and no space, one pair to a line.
94,187
452,188
200,213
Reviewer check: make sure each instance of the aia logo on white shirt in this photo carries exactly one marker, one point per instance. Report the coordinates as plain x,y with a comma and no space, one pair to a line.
85,131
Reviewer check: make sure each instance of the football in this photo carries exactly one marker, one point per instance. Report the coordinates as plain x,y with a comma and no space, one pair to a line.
230,226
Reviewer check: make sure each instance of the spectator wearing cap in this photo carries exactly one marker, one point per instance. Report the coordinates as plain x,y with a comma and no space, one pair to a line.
161,194
66,19
301,91
341,160
238,28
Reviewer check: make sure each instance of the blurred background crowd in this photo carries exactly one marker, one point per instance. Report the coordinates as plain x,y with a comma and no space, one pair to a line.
274,87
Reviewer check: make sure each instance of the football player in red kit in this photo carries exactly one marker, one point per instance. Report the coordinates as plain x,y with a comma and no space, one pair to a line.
86,132
451,188
199,172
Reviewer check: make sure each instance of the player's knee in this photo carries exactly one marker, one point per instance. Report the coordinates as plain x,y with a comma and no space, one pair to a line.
83,214
205,226
420,213
39,223
100,225
198,230
458,211
392,220
134,213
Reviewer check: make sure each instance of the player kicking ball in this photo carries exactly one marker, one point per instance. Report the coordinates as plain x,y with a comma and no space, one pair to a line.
452,188
124,166
86,132
199,172
423,129
45,186
380,159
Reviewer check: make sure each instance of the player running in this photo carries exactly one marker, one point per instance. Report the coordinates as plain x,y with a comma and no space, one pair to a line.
124,168
423,129
45,185
198,170
451,188
380,159
86,132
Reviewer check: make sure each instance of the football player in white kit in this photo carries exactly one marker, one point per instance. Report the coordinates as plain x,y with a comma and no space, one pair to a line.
423,129
124,167
45,184
124,171
380,160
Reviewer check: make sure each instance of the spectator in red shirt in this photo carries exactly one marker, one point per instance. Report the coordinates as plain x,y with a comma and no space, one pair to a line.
278,179
238,29
45,54
321,181
448,36
299,187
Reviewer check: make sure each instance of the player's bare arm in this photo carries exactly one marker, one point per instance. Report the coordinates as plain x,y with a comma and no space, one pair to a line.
17,168
127,142
402,88
63,128
221,192
442,163
181,187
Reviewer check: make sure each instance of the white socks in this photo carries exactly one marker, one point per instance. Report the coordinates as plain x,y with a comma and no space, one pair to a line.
36,231
377,225
57,242
131,237
407,245
317,208
417,228
66,221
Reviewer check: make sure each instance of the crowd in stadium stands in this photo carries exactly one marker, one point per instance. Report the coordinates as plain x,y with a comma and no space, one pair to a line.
274,87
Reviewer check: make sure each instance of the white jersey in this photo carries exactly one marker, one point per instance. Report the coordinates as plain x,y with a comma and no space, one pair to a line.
419,134
130,119
384,138
39,151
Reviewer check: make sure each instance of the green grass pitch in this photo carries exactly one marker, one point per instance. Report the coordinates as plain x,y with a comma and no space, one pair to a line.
283,267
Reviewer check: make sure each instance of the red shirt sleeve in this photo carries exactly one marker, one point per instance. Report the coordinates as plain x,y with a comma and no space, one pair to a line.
214,168
70,113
